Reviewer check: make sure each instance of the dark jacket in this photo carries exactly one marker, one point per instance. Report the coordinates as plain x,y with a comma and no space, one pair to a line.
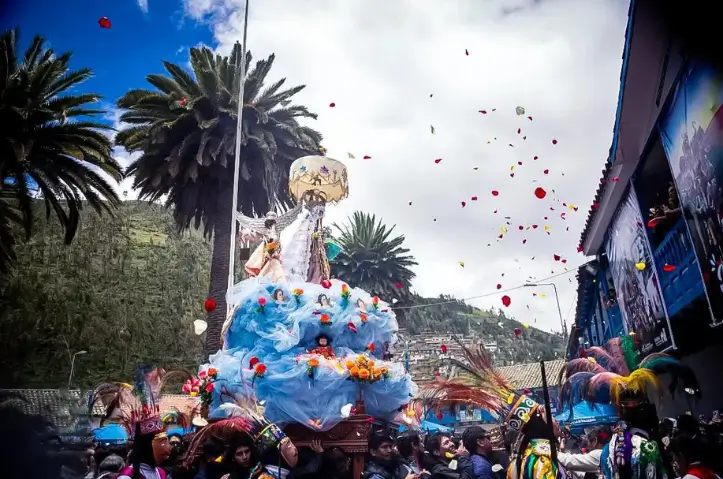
481,467
374,469
439,468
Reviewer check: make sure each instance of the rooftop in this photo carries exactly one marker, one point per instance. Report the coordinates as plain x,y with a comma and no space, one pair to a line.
528,376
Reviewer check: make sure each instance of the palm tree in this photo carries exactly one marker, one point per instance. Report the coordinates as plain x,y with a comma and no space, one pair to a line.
372,259
186,131
50,146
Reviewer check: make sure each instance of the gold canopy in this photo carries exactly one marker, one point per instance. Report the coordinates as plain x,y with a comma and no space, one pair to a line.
323,177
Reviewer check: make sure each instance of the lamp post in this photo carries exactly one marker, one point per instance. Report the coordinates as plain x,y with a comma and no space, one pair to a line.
72,365
237,155
557,299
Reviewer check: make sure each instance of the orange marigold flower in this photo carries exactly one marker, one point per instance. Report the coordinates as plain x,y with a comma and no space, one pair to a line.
313,363
384,370
364,374
377,371
298,292
212,371
325,318
364,318
354,371
349,364
260,369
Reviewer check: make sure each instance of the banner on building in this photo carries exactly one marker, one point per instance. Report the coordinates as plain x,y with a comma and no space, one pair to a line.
691,131
637,287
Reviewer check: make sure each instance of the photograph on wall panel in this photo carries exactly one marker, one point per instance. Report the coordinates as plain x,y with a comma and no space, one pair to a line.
637,287
691,131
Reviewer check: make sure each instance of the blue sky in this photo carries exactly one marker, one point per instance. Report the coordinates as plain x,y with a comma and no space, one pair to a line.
121,56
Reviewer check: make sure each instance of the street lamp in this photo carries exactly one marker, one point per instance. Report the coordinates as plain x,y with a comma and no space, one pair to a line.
72,365
557,299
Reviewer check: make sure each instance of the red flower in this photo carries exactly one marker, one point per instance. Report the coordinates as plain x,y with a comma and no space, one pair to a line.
262,302
253,362
371,347
209,387
540,192
209,305
506,301
260,369
495,192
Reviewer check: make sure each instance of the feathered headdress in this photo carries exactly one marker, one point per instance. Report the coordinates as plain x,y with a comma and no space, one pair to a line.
225,430
613,375
480,385
135,406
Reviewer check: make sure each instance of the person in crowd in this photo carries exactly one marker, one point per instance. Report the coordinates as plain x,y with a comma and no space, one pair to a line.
149,451
691,458
443,461
623,457
240,457
688,425
209,464
335,464
409,447
381,463
587,464
309,464
110,467
479,444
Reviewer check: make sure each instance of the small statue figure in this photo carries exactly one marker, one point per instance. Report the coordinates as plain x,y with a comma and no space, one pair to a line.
279,296
323,301
323,347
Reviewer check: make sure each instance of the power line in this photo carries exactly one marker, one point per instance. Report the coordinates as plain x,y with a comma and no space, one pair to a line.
415,306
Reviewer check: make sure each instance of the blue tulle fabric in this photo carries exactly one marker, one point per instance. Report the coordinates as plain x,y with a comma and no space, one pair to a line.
280,335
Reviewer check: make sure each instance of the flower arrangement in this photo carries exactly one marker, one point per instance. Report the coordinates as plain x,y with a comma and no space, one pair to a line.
375,303
325,320
202,386
311,366
262,305
345,293
297,294
364,370
272,248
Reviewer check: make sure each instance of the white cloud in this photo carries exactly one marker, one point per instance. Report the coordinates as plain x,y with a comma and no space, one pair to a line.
379,61
143,5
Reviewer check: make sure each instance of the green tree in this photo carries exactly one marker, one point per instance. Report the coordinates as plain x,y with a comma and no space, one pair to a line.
51,147
186,131
372,258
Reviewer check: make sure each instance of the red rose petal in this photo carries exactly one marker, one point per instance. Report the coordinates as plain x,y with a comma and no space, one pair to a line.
464,203
540,192
495,192
579,249
474,198
519,130
519,163
524,241
499,286
535,158
529,118
332,105
484,112
668,268
556,256
554,141
616,179
367,157
520,227
437,161
466,52
506,301
534,227
546,172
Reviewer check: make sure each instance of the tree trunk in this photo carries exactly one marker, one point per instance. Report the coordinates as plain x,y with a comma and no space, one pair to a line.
218,283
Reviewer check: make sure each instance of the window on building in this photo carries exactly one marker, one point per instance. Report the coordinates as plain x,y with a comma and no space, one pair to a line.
657,194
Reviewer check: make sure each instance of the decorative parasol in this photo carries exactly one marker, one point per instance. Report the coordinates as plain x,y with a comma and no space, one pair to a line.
318,178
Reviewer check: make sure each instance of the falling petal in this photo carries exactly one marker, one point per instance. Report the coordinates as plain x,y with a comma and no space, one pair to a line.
332,105
484,112
367,157
506,301
554,141
461,263
640,266
199,327
466,52
474,198
464,203
495,192
431,128
437,161
520,111
540,192
351,156
547,172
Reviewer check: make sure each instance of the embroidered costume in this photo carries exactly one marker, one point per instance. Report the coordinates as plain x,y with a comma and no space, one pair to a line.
613,374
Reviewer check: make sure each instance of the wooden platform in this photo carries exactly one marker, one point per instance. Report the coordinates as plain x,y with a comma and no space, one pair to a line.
349,435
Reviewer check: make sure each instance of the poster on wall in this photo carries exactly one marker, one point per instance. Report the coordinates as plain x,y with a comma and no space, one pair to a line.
692,135
637,290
